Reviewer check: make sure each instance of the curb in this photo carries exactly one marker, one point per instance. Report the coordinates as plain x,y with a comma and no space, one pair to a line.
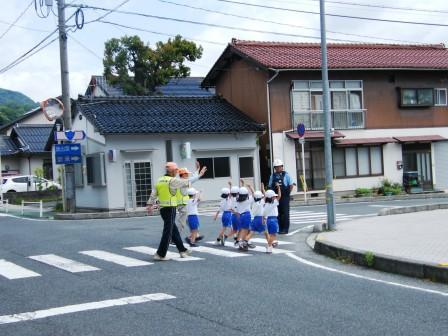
409,209
384,263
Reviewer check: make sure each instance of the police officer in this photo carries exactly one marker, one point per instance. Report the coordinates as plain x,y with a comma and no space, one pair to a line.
165,193
281,179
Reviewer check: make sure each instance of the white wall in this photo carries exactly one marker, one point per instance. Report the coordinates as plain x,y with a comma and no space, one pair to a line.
285,149
440,158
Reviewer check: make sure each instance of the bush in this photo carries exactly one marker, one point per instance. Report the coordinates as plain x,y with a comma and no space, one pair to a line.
361,192
389,188
59,207
369,259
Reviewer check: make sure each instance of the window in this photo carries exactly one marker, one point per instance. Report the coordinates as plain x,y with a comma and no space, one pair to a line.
417,97
308,95
358,161
246,167
216,167
440,96
95,166
169,150
20,179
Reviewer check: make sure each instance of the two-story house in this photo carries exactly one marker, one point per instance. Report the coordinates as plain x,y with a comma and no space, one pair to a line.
388,105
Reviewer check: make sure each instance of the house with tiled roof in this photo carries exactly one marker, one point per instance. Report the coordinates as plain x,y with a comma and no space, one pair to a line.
129,139
388,106
24,150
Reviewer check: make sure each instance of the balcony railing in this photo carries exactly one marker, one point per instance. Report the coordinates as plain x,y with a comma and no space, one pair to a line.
341,119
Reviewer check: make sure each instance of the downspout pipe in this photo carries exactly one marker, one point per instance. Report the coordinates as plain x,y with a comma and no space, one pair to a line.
268,100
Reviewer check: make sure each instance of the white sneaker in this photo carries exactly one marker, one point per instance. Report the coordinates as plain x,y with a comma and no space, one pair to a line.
159,258
269,249
185,254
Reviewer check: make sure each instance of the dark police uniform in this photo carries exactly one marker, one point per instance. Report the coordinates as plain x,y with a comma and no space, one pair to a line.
284,181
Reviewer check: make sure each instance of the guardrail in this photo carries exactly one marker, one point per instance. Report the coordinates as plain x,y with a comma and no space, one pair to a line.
41,208
4,203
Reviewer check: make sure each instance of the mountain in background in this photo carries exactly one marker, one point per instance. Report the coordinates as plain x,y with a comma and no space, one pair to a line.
13,104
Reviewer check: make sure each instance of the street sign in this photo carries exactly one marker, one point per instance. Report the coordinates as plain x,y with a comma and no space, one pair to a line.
301,141
301,130
69,135
68,153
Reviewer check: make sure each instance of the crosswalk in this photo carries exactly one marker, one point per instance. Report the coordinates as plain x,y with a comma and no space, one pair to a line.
14,271
298,216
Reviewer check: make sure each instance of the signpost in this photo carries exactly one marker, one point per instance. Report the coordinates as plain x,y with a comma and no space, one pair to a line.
69,135
68,154
301,133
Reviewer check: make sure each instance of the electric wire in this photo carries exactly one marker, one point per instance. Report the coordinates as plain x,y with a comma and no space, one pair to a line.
16,20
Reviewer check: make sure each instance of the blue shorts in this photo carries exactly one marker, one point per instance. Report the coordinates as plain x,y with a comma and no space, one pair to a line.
193,222
257,224
235,222
272,224
226,219
245,219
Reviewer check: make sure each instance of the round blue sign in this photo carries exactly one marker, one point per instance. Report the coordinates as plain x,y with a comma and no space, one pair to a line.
301,130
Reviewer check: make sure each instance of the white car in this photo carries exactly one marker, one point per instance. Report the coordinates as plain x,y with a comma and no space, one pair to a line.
21,183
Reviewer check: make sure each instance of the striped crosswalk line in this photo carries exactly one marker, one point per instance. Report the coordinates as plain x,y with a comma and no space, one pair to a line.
65,264
12,271
151,251
116,258
218,252
263,241
256,249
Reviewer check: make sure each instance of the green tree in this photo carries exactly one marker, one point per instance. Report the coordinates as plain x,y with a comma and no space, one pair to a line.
139,69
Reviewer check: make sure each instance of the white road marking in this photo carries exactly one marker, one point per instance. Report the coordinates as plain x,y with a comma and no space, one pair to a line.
65,264
115,258
41,314
353,275
151,251
262,240
256,249
299,230
12,271
384,206
217,252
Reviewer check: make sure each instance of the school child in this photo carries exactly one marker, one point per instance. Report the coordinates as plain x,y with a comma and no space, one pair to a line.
257,224
270,214
193,218
244,204
234,192
226,219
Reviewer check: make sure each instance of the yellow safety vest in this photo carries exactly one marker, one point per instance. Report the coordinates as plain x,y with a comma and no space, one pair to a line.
166,199
181,199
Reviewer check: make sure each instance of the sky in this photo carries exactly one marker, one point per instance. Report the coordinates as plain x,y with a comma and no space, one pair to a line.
39,76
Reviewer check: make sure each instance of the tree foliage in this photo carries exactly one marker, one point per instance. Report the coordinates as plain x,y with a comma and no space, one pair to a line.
139,69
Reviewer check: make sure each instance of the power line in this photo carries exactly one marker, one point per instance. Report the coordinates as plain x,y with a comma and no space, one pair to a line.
210,24
17,19
85,47
108,13
281,23
24,27
336,15
160,33
438,11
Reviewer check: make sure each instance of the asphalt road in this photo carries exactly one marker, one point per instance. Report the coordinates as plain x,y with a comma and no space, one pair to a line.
296,293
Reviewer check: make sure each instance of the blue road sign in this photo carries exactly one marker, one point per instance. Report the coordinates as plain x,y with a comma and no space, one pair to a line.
68,153
301,130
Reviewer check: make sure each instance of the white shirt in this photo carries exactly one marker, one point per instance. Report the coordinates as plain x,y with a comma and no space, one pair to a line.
192,206
244,206
233,203
270,209
257,208
225,205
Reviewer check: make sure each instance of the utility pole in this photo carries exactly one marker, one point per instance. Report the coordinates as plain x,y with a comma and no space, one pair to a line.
69,185
329,194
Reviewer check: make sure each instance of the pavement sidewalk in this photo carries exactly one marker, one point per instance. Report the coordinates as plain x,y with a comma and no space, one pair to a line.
413,244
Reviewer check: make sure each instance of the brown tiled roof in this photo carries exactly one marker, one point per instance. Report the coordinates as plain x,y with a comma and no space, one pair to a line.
420,138
283,55
364,141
